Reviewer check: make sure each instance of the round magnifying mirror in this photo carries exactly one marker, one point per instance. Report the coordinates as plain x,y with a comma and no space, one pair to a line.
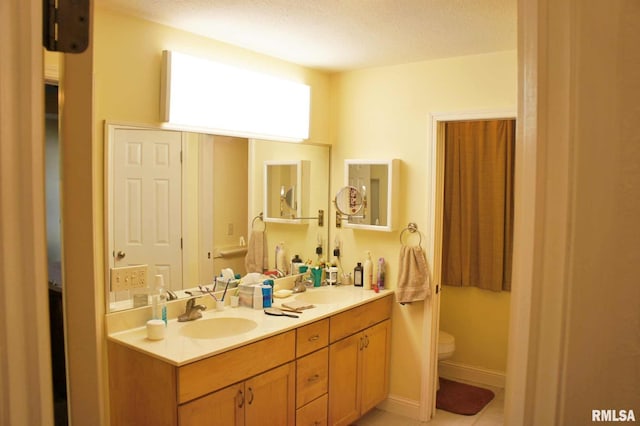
349,201
290,198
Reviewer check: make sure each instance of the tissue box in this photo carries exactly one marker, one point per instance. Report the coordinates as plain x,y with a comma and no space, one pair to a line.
245,293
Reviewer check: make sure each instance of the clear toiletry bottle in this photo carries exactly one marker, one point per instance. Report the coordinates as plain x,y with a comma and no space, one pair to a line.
368,272
381,273
281,259
160,299
358,275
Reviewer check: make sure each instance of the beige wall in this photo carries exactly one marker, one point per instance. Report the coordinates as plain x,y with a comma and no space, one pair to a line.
383,113
479,321
230,183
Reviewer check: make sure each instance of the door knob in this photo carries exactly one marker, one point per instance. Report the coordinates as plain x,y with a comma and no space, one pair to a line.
120,255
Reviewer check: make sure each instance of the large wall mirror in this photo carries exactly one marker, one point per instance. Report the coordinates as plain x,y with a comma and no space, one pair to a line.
375,183
184,203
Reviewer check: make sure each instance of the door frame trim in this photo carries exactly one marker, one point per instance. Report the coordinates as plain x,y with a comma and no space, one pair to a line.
433,240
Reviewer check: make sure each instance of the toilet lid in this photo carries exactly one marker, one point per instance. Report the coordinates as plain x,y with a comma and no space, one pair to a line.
446,342
445,338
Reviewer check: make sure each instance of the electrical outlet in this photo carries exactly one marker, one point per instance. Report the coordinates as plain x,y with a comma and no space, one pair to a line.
128,277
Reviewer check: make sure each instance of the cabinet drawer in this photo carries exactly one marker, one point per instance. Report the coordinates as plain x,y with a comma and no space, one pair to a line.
218,371
312,376
359,318
312,337
313,414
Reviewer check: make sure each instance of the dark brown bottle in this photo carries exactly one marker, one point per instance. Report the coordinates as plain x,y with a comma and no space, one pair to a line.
358,275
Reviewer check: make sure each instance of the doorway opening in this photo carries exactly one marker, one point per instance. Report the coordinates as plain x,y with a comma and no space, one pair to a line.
54,257
475,363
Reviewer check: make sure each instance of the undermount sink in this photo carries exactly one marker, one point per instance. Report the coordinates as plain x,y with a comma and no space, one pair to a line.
215,328
318,296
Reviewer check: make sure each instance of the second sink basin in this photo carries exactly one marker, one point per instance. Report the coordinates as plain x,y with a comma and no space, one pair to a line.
215,328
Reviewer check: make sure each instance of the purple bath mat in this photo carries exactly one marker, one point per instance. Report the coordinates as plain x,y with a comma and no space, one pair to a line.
460,398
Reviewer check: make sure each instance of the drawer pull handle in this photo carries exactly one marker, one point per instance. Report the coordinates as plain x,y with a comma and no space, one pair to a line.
250,396
366,341
240,398
314,338
313,378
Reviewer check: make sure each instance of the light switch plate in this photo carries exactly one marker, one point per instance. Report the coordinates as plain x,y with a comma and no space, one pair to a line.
128,277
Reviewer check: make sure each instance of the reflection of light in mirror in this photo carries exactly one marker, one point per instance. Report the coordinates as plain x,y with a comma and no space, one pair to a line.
203,94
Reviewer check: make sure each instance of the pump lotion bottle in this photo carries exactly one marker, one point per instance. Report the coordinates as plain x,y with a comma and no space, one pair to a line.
367,272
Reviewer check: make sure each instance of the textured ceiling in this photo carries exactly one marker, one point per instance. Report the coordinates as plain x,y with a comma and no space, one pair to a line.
339,35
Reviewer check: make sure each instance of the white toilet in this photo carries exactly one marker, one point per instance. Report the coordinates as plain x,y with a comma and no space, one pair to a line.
446,348
446,345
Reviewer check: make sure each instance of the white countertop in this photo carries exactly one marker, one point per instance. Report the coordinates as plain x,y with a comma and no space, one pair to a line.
179,350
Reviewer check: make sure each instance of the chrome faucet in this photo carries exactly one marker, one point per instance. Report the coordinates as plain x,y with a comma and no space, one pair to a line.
300,285
192,311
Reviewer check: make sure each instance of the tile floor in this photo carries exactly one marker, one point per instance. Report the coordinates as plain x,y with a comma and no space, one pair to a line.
491,415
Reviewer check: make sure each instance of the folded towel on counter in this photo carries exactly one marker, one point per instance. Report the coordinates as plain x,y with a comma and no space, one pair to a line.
256,259
298,305
414,279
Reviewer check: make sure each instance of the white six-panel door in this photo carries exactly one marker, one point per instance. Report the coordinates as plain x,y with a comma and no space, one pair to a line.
147,202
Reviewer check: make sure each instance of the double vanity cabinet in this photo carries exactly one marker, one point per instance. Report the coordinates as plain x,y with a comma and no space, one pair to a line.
328,367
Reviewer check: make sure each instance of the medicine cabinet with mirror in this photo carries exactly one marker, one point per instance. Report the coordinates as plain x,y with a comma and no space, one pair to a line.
368,200
286,191
183,203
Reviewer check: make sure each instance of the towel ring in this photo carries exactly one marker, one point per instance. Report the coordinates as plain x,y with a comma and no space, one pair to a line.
412,228
260,216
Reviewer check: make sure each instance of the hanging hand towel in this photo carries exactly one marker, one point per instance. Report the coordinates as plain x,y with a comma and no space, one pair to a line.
256,259
414,279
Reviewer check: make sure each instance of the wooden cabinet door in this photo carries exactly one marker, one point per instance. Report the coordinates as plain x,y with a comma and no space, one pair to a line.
375,365
270,397
224,407
314,413
344,389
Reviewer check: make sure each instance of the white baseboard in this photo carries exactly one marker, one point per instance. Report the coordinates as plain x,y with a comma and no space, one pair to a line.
468,373
450,370
401,406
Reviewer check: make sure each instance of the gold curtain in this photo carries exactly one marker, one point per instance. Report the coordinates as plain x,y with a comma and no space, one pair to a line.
478,204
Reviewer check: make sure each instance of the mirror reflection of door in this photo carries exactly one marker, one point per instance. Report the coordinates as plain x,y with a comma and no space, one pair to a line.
147,210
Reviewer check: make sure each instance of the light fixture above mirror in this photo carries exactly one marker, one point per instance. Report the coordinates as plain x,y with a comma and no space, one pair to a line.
208,96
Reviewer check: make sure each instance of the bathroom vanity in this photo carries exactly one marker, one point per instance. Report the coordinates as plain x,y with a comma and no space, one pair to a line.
329,366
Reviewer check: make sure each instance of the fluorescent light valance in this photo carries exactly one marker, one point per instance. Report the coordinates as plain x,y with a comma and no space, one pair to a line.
202,94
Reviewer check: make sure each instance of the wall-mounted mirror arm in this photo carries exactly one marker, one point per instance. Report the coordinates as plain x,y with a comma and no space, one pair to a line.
320,218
